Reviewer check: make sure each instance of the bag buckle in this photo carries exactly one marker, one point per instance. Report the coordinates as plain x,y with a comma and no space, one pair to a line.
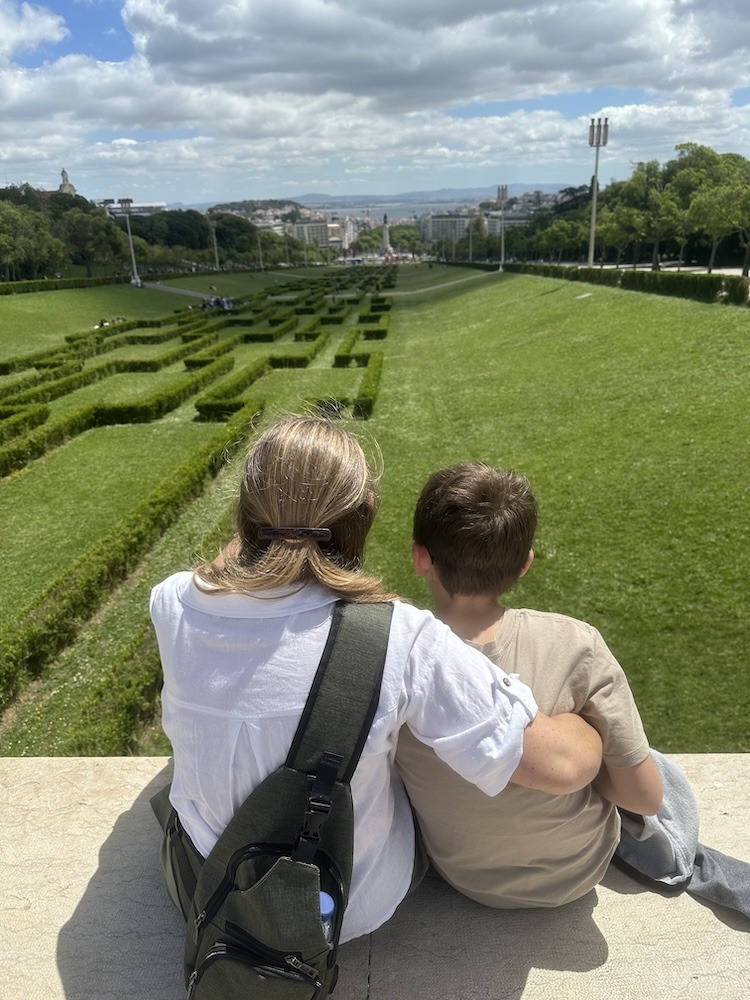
319,804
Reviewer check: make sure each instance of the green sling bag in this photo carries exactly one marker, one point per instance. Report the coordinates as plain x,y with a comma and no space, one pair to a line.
254,925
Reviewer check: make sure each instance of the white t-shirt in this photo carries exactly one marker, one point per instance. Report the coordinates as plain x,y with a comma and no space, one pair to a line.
237,672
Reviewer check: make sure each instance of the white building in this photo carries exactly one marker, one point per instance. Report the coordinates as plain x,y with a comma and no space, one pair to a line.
311,232
116,210
452,226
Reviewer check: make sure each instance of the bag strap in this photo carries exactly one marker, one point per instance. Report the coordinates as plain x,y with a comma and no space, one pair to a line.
345,692
339,711
333,728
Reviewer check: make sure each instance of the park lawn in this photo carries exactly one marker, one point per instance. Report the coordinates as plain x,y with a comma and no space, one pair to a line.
238,284
120,388
74,709
142,352
422,276
294,390
627,411
629,414
59,507
40,320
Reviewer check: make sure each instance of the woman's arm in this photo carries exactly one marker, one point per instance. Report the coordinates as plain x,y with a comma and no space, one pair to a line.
637,789
561,754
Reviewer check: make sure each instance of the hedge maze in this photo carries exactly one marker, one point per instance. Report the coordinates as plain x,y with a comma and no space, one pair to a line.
107,439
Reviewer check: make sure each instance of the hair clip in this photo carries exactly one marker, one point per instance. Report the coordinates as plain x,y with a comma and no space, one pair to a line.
294,534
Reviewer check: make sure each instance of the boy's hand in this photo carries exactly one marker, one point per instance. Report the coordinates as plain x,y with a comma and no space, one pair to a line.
637,789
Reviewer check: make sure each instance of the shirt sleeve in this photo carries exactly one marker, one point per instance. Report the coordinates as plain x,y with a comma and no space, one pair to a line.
469,711
611,709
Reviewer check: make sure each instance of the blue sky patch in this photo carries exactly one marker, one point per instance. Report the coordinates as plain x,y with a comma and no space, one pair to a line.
95,30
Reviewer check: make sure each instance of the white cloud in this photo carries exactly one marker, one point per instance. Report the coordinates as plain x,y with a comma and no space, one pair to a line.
255,92
24,27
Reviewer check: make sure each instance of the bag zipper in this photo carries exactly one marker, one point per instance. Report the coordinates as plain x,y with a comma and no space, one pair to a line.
298,971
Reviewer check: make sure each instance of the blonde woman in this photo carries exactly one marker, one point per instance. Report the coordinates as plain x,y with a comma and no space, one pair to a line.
240,640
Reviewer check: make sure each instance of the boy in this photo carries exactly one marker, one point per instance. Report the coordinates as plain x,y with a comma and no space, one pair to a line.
473,531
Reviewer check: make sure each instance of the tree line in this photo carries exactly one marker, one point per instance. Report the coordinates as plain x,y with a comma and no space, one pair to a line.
45,234
693,209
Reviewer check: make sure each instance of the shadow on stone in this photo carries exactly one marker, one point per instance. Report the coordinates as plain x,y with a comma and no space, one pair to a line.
125,938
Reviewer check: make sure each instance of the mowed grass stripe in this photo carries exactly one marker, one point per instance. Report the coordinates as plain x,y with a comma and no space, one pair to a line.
629,414
57,508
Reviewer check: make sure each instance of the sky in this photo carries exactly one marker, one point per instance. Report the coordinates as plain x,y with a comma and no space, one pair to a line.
206,101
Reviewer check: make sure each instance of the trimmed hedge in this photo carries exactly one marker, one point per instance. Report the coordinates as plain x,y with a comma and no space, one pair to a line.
37,376
26,645
15,421
301,359
19,453
163,400
213,351
343,355
364,401
52,284
731,289
224,399
54,388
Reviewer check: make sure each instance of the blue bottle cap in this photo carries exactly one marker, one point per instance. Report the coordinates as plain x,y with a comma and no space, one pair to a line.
327,906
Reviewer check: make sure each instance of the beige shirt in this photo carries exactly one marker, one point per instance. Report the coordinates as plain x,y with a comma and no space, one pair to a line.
522,847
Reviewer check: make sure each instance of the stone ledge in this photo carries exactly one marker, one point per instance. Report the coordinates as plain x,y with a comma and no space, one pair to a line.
86,917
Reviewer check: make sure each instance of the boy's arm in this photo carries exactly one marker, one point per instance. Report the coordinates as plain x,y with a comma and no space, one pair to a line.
637,789
560,754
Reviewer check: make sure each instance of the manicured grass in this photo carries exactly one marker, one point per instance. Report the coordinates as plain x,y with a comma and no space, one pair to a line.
629,414
72,709
58,507
125,387
41,320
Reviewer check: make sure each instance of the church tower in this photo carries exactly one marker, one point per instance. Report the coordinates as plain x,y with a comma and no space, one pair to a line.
66,187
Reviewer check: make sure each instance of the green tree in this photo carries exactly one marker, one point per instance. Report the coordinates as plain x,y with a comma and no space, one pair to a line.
93,238
11,239
407,239
646,190
368,241
27,245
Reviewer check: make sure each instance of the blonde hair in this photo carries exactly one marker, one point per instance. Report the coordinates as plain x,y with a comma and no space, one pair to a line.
309,473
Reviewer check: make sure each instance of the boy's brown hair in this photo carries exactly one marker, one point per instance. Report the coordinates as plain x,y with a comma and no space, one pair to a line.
478,524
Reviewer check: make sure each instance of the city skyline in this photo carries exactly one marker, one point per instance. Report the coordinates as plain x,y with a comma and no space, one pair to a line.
181,102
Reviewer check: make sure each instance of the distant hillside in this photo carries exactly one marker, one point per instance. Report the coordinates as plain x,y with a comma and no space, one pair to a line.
318,199
442,194
258,205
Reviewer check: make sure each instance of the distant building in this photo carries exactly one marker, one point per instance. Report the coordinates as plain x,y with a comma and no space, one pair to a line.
495,222
116,210
311,232
451,226
66,187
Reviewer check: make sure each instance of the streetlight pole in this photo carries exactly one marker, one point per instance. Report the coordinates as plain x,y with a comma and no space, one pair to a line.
212,227
502,195
598,135
126,203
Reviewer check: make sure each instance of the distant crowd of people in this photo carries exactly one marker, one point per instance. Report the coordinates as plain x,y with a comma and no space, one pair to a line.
217,302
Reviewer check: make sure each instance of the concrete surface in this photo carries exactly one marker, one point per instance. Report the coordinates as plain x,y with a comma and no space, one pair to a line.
85,916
